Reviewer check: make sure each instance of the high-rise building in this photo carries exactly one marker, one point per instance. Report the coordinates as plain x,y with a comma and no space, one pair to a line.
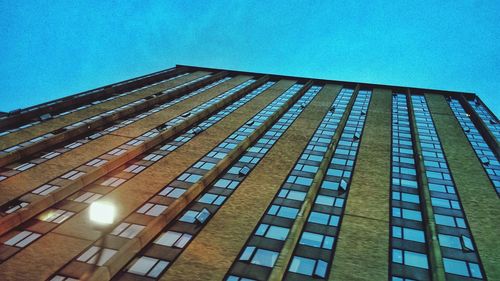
206,174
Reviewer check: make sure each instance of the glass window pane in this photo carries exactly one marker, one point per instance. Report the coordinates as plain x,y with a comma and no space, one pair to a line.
416,259
264,257
414,235
455,267
277,232
311,239
142,265
449,241
321,268
168,238
158,268
302,265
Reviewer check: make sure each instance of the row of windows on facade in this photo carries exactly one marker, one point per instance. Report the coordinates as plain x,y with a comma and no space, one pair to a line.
16,168
229,180
89,197
192,216
254,253
87,121
75,174
433,198
49,116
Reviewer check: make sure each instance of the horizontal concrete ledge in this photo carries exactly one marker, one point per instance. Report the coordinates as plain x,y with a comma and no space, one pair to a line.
89,96
89,126
10,221
132,247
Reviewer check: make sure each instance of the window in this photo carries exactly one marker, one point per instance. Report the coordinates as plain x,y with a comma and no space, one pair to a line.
45,189
244,171
299,180
322,218
151,209
407,214
451,241
463,268
50,155
87,197
329,201
445,203
150,134
173,239
217,155
24,167
204,165
441,188
96,162
310,267
282,211
135,169
12,148
153,157
438,175
316,240
22,239
12,207
135,142
406,197
209,198
306,168
248,159
259,256
467,244
272,231
168,147
227,145
127,230
405,183
311,157
203,215
113,182
117,151
147,266
409,258
90,256
408,234
72,175
292,194
188,177
189,216
449,221
224,183
173,192
56,216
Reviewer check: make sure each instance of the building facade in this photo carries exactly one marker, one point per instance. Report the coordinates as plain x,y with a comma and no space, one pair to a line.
227,175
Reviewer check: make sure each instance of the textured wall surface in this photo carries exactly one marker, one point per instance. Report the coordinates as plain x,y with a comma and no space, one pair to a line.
362,247
479,199
211,254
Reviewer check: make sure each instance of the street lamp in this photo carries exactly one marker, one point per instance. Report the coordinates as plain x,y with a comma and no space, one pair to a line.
102,214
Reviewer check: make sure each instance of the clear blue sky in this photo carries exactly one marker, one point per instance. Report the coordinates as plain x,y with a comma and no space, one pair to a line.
51,49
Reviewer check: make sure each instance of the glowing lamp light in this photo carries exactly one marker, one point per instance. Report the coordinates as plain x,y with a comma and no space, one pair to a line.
102,212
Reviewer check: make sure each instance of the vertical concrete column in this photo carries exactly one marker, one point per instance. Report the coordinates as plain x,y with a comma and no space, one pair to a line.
362,246
435,255
478,197
286,253
217,246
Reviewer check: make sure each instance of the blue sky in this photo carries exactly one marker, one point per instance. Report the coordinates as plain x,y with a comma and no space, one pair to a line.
53,50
